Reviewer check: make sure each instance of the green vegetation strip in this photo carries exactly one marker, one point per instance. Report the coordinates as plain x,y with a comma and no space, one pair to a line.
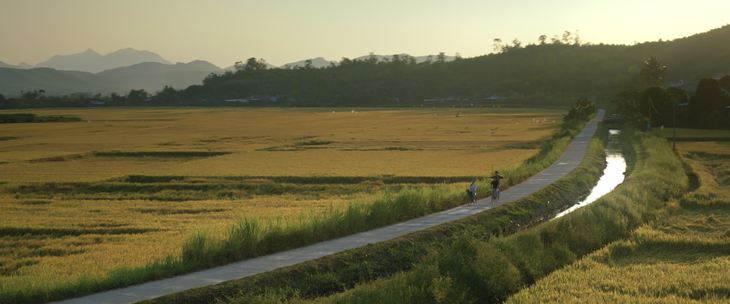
328,180
62,232
160,154
699,138
20,118
184,191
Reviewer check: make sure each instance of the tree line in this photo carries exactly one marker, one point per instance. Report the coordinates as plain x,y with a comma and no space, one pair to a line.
661,106
553,71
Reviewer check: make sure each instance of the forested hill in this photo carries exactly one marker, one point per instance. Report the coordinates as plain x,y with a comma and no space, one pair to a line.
549,72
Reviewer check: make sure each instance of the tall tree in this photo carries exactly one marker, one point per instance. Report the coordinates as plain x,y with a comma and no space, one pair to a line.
653,72
137,97
656,104
251,64
32,95
627,103
497,45
441,57
567,37
372,59
555,39
725,83
707,105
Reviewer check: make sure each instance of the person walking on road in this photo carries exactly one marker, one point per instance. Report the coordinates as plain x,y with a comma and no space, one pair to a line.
495,186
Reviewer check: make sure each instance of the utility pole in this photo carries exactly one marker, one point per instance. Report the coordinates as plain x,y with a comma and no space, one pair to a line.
650,112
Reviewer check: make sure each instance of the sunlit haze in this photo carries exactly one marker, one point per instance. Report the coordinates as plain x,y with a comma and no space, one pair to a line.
282,31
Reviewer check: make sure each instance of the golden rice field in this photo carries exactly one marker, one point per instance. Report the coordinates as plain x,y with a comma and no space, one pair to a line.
682,257
431,142
123,187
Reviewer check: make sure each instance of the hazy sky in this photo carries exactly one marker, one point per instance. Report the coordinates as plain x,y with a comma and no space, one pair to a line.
280,31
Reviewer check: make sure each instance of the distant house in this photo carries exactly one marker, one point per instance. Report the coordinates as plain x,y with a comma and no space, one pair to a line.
499,95
679,83
258,97
241,100
96,103
450,98
718,76
287,97
429,100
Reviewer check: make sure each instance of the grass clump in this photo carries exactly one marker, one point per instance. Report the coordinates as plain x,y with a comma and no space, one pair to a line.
252,237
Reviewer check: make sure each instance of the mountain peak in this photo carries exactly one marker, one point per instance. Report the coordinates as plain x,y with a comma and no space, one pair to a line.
126,50
89,52
93,62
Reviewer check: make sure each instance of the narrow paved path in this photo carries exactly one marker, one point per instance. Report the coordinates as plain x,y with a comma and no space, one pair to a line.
570,159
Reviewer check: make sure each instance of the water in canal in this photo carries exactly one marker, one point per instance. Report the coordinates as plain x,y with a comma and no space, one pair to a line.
612,175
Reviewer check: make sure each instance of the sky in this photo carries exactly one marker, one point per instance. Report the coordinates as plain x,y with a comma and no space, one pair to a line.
282,31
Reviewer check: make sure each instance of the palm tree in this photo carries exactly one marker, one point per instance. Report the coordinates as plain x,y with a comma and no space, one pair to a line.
653,71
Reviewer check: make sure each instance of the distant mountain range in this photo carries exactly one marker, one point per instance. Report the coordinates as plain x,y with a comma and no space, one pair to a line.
93,62
121,71
150,76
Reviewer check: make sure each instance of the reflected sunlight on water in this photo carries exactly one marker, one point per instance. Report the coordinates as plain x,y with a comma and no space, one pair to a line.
613,175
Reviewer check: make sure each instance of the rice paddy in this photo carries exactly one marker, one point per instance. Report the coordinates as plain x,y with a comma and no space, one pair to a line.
124,187
681,257
430,142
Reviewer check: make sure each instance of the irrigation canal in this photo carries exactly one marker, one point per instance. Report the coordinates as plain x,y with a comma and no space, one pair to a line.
613,174
568,161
